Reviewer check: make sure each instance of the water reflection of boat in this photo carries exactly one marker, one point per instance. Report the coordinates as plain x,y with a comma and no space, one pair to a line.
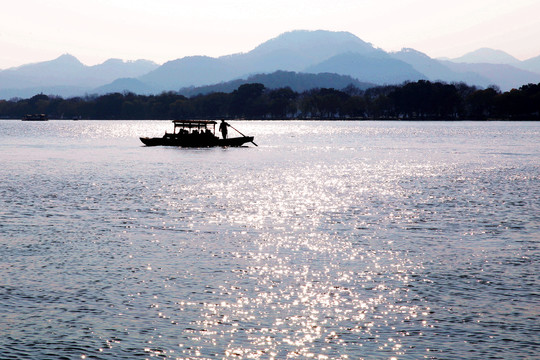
35,117
195,133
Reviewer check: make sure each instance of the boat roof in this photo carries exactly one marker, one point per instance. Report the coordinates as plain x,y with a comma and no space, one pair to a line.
193,123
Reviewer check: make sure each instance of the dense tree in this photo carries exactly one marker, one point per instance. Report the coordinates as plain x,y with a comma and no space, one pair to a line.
214,105
425,100
481,103
329,103
248,101
282,103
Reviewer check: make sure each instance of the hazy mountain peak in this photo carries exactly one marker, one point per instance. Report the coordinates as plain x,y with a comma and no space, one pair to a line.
487,56
189,59
143,62
67,59
411,52
66,64
63,60
317,40
307,35
113,61
121,62
296,50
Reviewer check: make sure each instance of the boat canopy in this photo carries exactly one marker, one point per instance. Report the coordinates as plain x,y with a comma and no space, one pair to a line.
193,123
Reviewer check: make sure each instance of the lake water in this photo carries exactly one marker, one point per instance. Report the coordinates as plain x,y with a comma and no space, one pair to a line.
330,240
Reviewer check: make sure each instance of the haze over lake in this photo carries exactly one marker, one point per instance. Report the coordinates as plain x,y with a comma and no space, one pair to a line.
330,240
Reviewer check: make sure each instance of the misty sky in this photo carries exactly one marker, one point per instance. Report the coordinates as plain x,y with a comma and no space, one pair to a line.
162,30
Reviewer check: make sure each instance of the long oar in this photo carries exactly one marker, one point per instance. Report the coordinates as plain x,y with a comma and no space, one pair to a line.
242,134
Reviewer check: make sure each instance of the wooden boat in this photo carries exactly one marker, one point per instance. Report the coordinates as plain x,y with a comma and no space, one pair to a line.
35,117
195,133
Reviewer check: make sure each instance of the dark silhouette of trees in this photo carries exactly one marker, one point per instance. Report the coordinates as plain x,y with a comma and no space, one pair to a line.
282,103
248,101
329,103
425,100
108,106
420,100
355,107
519,104
214,105
481,103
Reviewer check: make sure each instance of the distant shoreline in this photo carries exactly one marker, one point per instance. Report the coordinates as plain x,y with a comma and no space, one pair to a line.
415,101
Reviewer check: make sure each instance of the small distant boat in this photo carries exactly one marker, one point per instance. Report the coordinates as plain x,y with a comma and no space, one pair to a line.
35,117
196,133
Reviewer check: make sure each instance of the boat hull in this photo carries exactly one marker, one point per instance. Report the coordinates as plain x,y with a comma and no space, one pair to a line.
35,117
184,142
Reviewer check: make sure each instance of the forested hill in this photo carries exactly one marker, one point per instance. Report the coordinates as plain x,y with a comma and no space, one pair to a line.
421,100
298,82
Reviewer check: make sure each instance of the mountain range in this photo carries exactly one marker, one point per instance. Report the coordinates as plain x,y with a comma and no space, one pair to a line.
298,59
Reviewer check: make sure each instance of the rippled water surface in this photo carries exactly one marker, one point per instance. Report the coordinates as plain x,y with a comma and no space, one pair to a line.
330,240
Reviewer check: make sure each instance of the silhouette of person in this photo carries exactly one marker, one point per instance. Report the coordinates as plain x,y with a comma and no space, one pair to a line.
223,128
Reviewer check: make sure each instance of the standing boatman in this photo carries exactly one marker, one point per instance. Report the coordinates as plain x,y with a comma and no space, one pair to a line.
223,128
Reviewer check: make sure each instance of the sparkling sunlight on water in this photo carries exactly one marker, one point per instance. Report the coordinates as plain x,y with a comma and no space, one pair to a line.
331,240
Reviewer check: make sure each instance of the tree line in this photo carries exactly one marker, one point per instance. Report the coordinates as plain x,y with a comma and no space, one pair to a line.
420,100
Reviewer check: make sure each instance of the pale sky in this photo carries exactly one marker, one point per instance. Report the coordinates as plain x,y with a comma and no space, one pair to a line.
163,30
